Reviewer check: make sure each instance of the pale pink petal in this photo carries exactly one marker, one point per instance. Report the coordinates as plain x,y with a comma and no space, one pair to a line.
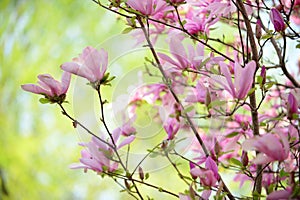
196,172
65,82
78,166
280,194
53,84
178,51
225,71
206,194
249,144
184,197
261,159
269,144
116,134
243,78
126,141
35,89
211,164
103,63
168,59
76,69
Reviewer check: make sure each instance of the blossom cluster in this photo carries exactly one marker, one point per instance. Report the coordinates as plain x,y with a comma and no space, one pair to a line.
203,78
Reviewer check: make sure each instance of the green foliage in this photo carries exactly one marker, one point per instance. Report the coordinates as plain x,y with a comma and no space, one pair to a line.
37,143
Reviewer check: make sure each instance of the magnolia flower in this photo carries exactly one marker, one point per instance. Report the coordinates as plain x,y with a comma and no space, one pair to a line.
211,164
207,176
91,64
148,7
292,106
171,126
181,59
277,20
271,147
97,155
50,87
243,78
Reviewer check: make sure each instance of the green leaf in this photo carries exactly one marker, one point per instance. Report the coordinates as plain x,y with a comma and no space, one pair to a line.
44,100
231,135
189,109
269,85
127,30
217,103
283,173
147,176
298,46
252,90
259,79
236,162
266,36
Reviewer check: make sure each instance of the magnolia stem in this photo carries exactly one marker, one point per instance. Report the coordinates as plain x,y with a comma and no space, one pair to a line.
254,113
64,112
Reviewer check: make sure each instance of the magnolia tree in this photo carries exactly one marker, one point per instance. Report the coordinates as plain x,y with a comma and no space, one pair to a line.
236,100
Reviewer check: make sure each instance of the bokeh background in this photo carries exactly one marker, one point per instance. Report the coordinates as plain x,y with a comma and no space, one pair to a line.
37,143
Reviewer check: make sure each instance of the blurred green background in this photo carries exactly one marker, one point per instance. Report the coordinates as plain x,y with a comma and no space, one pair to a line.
37,143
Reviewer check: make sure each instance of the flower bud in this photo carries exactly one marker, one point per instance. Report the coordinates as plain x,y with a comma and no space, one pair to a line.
141,173
292,106
277,20
127,184
245,159
263,74
258,29
207,97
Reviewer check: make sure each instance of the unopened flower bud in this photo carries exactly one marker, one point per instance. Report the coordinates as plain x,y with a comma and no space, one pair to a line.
141,173
258,26
292,106
127,184
263,74
245,159
277,20
192,192
207,97
279,7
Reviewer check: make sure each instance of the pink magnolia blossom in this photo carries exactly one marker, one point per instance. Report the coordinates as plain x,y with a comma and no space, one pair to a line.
272,147
148,7
201,93
277,20
181,59
91,64
48,86
98,155
243,78
280,194
211,164
207,176
95,157
171,126
199,23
